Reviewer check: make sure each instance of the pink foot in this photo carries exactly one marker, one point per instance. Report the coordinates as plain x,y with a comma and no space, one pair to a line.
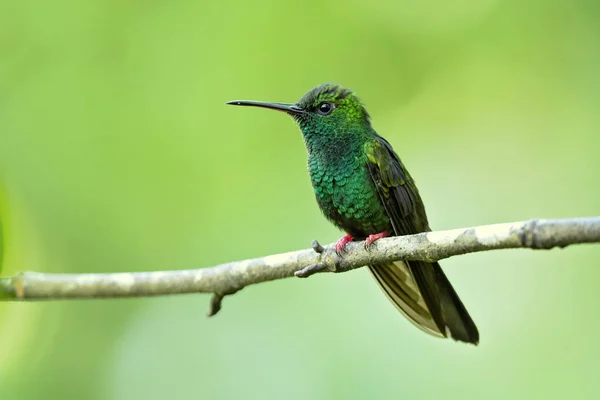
372,238
340,244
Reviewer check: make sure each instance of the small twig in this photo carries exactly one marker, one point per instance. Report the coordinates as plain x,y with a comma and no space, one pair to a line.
229,278
317,247
214,305
310,270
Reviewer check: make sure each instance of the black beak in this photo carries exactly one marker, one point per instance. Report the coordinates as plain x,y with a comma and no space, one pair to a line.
285,107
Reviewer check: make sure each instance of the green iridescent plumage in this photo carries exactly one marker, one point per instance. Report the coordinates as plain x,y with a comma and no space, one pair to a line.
363,188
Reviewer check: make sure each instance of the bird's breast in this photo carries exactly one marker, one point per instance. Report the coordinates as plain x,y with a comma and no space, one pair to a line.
348,197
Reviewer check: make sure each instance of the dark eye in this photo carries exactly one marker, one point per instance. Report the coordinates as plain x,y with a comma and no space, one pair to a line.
325,108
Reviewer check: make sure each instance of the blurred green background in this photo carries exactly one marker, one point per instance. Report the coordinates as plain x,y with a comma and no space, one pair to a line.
117,153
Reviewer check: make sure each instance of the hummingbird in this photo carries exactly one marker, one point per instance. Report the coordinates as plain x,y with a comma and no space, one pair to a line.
363,188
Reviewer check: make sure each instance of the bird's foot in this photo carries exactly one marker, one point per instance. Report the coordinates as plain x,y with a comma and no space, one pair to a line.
372,238
341,244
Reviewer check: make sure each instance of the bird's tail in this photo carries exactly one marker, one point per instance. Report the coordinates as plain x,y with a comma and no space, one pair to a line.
424,295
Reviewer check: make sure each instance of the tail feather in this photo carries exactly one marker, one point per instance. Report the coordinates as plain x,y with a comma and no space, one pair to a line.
457,318
396,282
424,295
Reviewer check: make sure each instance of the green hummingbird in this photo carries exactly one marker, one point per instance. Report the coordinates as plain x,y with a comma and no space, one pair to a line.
364,189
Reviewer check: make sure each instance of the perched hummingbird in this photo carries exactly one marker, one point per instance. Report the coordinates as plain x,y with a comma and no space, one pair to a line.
363,188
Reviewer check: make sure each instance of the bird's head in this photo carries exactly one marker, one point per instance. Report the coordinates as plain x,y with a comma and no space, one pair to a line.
327,109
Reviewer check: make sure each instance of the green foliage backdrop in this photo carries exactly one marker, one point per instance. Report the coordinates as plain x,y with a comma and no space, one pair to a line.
118,154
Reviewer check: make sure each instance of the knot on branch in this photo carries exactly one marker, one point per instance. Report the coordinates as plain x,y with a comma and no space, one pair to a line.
531,236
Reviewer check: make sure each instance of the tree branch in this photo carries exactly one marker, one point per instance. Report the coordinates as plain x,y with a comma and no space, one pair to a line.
226,279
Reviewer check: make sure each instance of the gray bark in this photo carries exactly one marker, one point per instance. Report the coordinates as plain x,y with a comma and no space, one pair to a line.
225,279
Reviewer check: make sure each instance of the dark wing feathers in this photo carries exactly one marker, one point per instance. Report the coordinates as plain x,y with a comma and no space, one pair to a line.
396,189
436,307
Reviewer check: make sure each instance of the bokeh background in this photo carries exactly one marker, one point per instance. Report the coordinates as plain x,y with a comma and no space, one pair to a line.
117,153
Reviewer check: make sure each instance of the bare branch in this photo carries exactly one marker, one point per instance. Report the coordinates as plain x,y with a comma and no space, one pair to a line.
226,279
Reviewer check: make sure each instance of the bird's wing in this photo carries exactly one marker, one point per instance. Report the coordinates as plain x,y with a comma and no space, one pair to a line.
403,205
419,290
396,188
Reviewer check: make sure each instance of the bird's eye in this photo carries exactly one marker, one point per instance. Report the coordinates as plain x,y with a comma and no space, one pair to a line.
325,108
